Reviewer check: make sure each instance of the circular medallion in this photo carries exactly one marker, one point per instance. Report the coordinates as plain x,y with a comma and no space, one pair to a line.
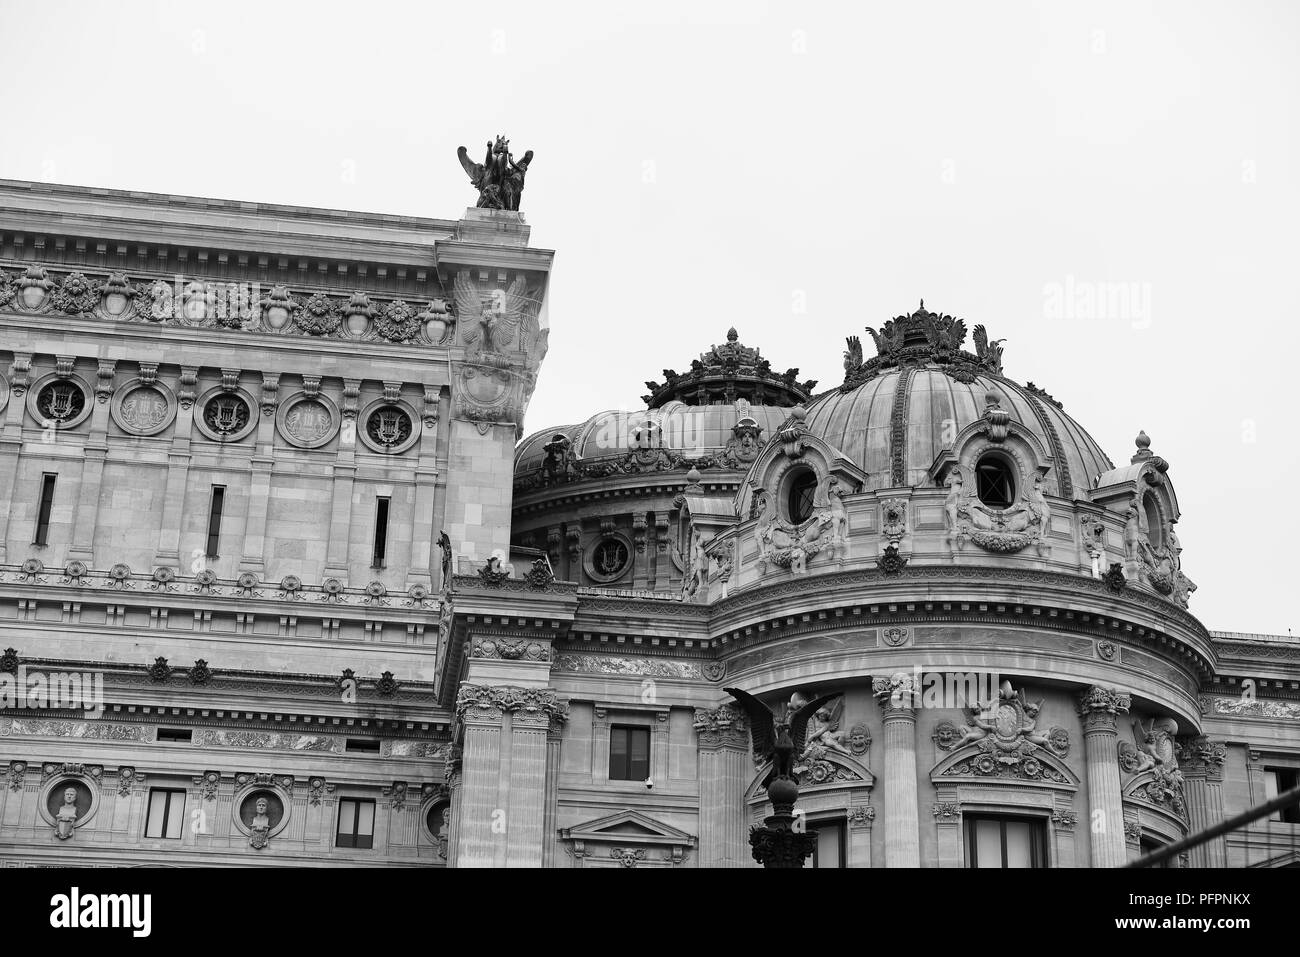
610,560
388,427
59,403
143,409
226,415
308,422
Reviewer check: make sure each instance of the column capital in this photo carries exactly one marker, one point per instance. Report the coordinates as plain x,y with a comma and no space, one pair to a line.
722,727
896,696
1197,754
1100,706
489,703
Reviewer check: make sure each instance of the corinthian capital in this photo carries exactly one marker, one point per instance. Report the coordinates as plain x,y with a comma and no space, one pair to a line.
723,727
1100,706
490,702
1197,754
896,694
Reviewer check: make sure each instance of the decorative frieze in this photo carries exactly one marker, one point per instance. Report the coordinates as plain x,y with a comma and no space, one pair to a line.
618,665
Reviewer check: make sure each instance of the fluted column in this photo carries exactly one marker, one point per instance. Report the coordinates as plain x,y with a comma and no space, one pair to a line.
725,770
1201,761
1098,709
902,824
453,778
503,767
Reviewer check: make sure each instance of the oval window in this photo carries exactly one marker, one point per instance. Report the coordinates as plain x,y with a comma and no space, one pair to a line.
994,483
801,489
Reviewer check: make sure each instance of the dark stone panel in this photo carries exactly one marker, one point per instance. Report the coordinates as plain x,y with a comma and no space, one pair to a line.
992,638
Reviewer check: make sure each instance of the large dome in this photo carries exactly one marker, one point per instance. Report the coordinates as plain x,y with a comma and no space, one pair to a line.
900,409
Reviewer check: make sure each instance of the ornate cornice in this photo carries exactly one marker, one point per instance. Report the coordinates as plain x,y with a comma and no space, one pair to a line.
962,575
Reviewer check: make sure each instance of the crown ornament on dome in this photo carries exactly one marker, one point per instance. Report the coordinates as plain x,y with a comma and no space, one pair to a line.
727,373
923,338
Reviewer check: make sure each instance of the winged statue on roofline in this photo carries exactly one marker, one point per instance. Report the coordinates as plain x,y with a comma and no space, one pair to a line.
499,179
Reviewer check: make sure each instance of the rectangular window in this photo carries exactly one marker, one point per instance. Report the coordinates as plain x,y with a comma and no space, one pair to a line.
166,813
629,753
362,745
1005,842
1150,847
381,532
214,519
829,850
1279,781
43,512
176,734
356,823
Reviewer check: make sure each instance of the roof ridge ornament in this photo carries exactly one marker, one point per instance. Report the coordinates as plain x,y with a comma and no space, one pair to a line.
729,372
919,339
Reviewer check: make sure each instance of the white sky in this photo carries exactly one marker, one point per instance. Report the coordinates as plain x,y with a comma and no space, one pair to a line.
702,165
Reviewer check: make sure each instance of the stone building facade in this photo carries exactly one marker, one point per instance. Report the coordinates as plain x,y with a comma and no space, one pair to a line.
264,485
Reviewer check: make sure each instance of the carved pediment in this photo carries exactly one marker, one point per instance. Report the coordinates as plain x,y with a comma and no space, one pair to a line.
973,763
821,770
626,839
1159,789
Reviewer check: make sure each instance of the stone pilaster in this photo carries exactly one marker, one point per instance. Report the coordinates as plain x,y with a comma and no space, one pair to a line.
1098,709
178,471
725,770
551,817
86,516
1201,761
503,764
902,824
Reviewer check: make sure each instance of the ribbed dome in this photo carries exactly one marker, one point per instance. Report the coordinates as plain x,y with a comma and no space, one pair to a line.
933,408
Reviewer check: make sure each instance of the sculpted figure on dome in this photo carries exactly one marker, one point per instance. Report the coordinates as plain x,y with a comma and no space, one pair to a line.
838,517
989,352
1132,535
789,546
952,505
888,340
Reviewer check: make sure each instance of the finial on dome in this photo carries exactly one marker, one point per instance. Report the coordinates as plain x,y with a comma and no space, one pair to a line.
732,334
923,305
798,413
1143,443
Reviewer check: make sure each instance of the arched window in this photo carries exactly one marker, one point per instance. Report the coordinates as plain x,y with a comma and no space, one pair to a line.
994,483
1155,527
801,488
